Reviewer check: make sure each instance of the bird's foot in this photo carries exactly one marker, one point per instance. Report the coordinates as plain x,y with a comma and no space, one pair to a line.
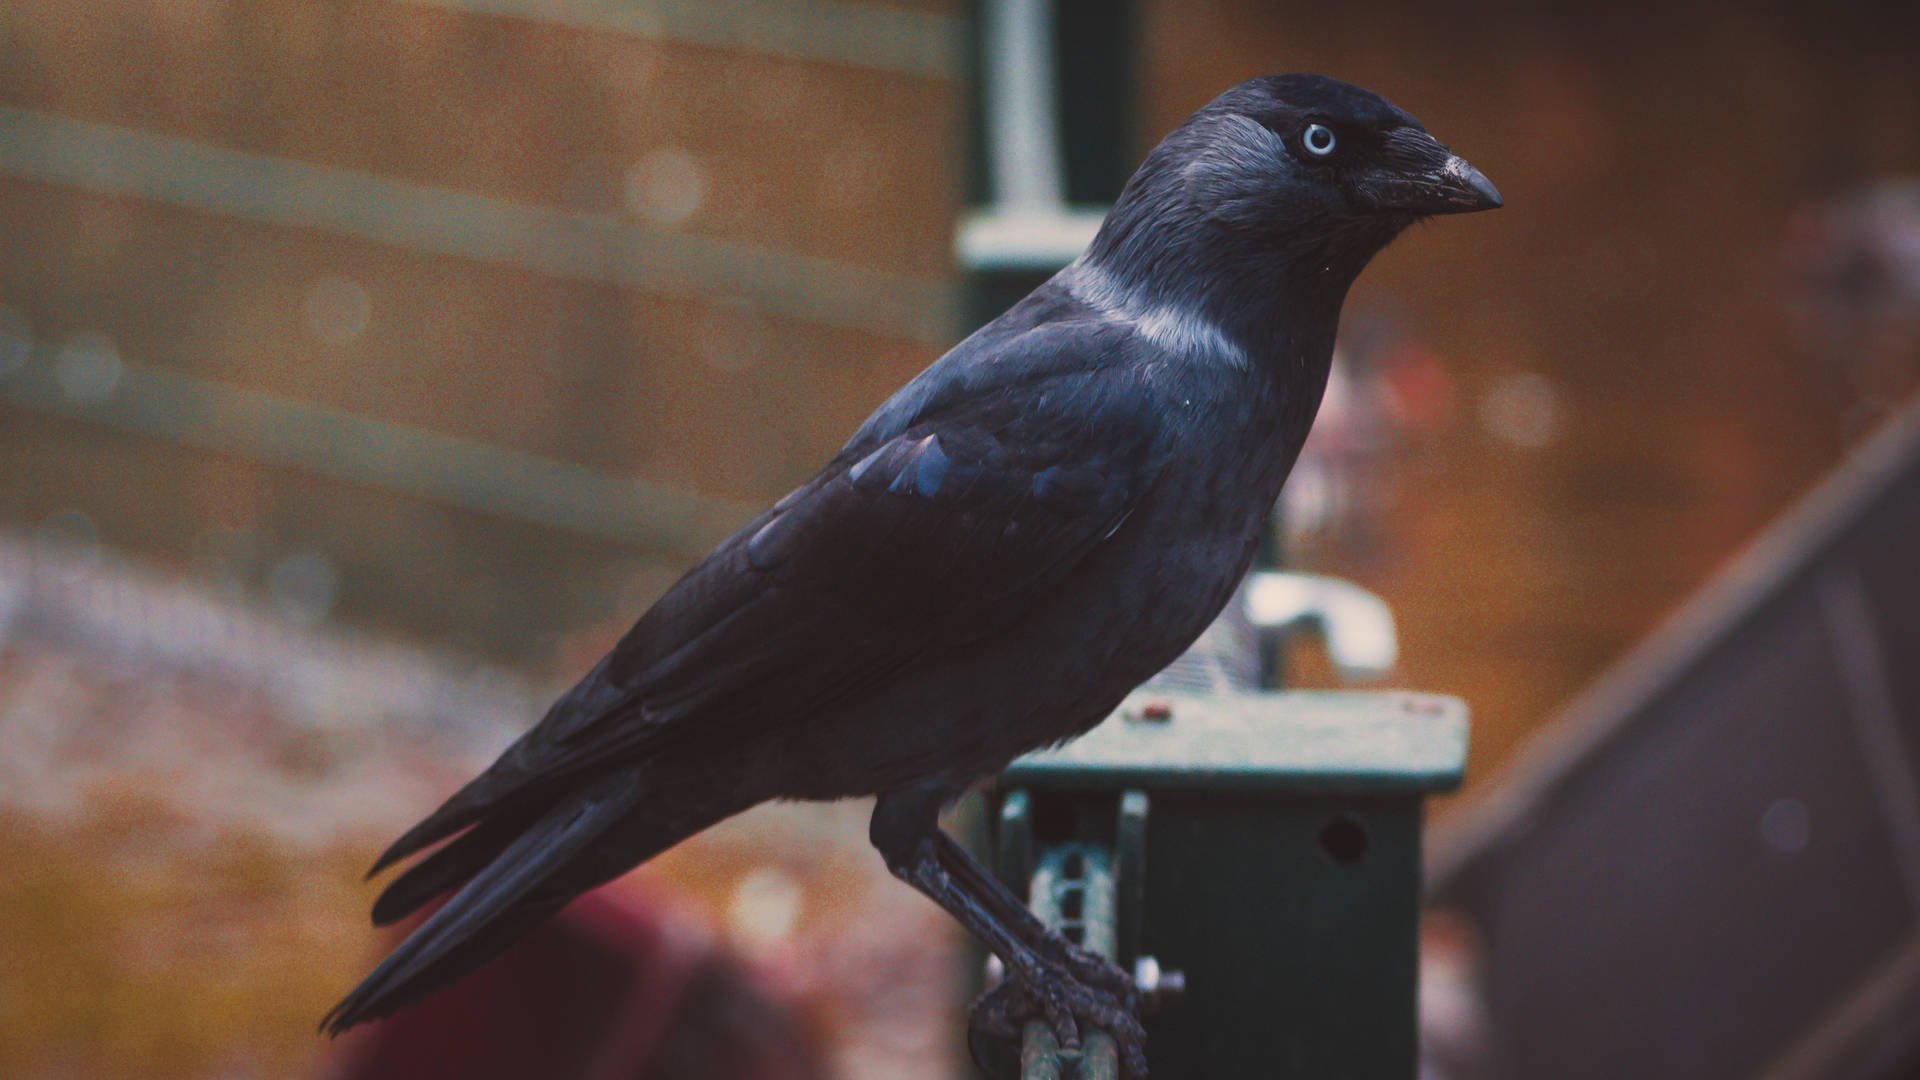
1097,972
1066,1004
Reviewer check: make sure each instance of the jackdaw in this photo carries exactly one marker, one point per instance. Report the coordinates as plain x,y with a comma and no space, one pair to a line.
1031,527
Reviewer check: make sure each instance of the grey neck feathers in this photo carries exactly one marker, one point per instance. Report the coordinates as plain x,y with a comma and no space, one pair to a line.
1179,325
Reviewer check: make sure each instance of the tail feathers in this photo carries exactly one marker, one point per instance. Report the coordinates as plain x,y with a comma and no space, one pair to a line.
500,903
551,757
417,976
466,806
449,868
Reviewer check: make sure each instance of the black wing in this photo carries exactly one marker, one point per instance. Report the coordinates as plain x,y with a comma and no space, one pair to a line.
928,531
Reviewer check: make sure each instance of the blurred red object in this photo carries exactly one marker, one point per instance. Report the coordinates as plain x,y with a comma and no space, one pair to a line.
615,988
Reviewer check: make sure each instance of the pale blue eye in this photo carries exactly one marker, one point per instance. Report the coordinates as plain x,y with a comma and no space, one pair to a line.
1318,140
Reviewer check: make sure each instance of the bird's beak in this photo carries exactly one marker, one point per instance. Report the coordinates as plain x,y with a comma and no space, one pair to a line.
1423,177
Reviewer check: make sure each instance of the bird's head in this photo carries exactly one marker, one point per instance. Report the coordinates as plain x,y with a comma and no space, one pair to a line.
1303,152
1281,182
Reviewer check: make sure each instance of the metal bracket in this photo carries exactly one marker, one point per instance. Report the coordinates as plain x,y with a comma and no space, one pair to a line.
1095,897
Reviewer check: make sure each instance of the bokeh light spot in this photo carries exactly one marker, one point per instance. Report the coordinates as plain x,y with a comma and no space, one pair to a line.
88,368
764,909
666,187
1522,409
303,586
337,309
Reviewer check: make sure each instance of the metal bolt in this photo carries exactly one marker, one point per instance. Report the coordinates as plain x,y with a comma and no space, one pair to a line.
1420,706
1157,987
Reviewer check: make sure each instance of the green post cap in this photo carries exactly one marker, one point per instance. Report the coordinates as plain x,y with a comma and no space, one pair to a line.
1287,742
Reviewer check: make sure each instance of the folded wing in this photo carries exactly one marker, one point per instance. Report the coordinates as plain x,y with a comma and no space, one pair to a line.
938,529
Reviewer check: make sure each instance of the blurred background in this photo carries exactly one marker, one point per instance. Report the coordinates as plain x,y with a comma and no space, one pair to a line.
366,366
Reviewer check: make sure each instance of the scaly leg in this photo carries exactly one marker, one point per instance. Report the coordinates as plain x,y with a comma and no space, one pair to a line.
1087,966
1048,977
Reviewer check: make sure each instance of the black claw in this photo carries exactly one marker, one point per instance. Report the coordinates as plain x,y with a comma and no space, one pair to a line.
1065,1031
1064,1003
995,1026
1092,970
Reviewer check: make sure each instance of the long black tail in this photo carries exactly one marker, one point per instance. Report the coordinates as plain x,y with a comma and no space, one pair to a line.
518,872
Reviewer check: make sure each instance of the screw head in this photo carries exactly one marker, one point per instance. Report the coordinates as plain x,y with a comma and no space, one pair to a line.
1158,987
994,971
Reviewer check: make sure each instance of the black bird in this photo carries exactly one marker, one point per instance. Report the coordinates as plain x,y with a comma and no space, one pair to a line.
1034,525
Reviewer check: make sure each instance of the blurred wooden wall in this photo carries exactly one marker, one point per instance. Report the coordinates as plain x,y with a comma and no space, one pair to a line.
459,194
754,173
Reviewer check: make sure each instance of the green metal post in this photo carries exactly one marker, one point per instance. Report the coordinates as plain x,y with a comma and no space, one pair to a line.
1072,891
1264,846
1029,217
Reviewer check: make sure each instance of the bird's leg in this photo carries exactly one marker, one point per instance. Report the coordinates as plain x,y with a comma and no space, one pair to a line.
1043,969
1086,965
